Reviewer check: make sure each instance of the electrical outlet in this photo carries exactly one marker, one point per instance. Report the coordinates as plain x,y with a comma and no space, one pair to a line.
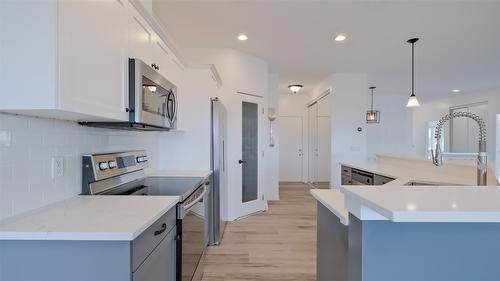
57,167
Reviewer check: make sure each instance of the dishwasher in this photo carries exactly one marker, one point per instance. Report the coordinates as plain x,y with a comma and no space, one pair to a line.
359,177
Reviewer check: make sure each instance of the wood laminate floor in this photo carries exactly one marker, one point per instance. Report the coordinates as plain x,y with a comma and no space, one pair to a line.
279,244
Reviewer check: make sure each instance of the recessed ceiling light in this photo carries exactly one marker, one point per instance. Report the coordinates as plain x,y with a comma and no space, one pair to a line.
242,37
340,37
456,91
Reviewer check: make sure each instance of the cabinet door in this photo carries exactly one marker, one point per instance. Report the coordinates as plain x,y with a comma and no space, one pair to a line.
160,265
93,63
140,37
170,68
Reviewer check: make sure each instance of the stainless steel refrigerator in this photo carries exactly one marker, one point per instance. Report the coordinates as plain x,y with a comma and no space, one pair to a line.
218,202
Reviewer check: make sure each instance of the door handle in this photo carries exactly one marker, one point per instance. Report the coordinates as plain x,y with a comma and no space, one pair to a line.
241,161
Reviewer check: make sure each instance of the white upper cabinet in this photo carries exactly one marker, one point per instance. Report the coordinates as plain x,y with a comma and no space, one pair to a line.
93,61
139,37
70,60
145,44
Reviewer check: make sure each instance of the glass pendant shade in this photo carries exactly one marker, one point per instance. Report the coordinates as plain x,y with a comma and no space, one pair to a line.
372,116
413,101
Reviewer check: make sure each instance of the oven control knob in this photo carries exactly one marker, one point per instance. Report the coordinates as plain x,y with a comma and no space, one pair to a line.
142,159
103,166
112,164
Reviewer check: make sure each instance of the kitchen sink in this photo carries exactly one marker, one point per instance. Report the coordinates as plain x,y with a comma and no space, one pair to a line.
428,183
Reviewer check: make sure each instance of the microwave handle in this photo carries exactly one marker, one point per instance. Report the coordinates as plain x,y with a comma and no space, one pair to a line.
174,106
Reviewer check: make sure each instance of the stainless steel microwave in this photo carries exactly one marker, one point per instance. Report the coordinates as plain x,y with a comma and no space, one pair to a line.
152,101
152,98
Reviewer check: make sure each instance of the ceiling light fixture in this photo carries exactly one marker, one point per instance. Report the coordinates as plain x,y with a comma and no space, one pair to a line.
456,91
412,101
295,88
340,37
242,37
372,116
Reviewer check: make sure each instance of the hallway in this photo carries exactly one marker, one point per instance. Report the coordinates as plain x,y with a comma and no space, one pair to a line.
276,245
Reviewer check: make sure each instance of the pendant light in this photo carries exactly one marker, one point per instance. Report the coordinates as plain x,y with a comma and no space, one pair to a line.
412,101
372,116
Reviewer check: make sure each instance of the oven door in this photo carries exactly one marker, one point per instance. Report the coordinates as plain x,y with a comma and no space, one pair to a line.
193,235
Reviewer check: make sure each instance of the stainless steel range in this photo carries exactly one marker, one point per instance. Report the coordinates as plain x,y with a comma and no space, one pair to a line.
123,174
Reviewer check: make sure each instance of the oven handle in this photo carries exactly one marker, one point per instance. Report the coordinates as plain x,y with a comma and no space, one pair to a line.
191,204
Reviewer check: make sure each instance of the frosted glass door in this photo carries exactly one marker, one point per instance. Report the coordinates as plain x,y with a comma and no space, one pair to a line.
250,143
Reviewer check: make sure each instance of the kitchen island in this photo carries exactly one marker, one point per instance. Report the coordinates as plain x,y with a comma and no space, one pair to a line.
425,223
402,233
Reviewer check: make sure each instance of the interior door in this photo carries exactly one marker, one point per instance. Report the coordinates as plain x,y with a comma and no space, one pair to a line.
290,168
250,141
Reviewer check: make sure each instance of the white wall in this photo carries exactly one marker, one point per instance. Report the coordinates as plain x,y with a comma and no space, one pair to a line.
393,135
189,147
240,72
271,181
348,108
28,144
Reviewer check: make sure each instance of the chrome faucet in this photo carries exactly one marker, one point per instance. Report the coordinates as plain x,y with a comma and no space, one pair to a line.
482,157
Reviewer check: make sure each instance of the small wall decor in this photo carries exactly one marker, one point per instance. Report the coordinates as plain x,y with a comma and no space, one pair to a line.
271,115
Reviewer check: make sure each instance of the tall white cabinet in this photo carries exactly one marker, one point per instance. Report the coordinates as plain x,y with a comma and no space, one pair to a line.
69,59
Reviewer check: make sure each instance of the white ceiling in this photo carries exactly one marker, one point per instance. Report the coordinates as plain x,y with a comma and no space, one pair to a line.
459,45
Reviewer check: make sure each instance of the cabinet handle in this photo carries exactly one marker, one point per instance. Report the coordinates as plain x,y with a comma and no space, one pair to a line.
163,228
241,161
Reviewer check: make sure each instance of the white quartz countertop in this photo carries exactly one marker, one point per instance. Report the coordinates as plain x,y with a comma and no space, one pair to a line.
333,200
424,204
180,173
395,201
103,218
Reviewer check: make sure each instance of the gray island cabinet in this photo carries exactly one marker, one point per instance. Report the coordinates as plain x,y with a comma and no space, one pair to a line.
408,234
151,256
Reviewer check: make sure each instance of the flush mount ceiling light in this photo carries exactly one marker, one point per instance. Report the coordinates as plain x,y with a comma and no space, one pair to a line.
340,37
295,88
456,91
412,101
372,116
242,37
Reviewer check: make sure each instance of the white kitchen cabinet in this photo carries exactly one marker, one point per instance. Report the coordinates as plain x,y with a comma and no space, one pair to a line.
146,45
70,59
139,37
67,61
93,61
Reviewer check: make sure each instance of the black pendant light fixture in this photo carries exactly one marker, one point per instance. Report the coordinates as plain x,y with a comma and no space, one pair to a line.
412,101
372,116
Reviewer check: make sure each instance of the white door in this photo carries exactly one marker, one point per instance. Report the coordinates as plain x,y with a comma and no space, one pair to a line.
247,139
290,167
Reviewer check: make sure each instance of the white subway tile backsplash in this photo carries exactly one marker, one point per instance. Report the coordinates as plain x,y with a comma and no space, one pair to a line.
26,179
